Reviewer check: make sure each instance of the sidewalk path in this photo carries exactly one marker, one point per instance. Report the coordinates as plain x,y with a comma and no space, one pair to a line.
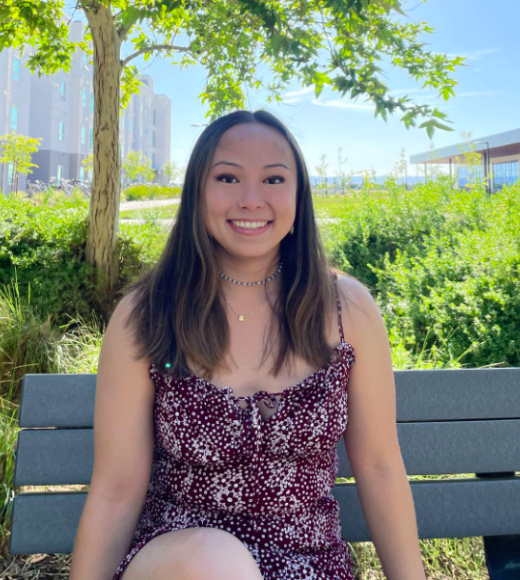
146,203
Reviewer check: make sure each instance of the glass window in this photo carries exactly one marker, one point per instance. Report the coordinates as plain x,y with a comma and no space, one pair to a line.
154,116
61,131
91,139
83,134
62,90
82,173
153,139
16,68
10,168
14,118
59,173
84,96
505,173
469,174
153,160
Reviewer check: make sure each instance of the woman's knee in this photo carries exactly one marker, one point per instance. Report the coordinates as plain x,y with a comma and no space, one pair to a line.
219,555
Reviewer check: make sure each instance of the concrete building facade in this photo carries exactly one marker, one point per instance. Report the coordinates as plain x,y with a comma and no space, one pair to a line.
59,109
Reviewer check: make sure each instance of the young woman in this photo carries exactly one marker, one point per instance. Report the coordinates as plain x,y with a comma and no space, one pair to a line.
228,373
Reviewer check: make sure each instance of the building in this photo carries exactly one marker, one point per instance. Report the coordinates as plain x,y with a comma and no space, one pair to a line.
59,109
500,157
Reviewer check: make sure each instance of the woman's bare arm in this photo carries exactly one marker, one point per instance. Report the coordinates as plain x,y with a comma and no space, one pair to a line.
371,439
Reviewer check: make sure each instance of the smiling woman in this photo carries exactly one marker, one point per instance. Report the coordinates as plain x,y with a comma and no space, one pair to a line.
238,348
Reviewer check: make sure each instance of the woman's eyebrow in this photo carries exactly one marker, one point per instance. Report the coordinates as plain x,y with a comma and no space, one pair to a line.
240,166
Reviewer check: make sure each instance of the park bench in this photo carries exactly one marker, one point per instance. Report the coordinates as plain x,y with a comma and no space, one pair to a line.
449,421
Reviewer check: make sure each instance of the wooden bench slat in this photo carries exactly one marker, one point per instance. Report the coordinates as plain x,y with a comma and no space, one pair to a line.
47,522
67,400
66,456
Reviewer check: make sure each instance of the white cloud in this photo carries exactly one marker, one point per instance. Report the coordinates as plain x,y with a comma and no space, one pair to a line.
342,104
478,54
301,93
475,54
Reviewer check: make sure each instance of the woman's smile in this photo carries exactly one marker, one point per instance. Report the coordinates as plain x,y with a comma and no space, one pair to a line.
249,227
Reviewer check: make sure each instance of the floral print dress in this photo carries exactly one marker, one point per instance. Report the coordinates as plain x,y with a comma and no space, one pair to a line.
267,481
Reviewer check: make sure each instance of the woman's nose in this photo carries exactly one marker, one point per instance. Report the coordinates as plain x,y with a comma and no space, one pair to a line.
251,195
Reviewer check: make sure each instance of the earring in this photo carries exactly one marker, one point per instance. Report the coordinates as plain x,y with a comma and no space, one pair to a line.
292,230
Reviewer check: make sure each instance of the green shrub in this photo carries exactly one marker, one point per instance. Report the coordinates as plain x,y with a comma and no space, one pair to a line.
45,245
444,266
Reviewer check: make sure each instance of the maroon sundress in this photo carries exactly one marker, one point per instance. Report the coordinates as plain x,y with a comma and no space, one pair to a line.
267,481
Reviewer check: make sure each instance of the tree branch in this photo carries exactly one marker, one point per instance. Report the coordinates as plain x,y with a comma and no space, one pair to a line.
152,48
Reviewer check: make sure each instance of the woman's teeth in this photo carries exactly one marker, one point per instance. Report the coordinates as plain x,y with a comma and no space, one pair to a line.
249,225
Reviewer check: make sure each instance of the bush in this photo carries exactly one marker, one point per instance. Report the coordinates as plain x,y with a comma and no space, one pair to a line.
444,266
44,247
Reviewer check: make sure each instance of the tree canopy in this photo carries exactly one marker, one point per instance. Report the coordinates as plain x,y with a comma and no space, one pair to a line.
230,38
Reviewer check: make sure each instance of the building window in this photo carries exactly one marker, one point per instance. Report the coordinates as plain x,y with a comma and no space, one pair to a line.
82,173
10,168
14,118
83,134
153,160
59,174
505,173
62,90
16,68
154,116
61,131
91,102
146,132
84,96
91,139
469,174
153,139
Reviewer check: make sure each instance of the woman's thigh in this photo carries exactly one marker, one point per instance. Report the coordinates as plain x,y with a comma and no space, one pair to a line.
193,554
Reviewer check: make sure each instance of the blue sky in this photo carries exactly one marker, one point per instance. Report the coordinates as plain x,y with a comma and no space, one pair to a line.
487,101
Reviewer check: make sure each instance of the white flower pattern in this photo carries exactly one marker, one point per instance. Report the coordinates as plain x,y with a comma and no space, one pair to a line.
267,481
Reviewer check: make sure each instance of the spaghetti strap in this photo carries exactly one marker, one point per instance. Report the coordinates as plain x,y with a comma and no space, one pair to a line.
340,324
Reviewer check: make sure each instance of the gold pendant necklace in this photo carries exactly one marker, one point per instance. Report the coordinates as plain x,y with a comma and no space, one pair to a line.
242,317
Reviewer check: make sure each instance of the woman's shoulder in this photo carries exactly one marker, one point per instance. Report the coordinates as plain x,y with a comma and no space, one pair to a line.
358,306
350,287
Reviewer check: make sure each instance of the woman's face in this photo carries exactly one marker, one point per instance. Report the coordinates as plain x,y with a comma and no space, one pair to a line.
253,179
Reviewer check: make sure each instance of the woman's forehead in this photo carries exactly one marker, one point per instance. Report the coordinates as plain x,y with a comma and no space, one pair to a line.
244,140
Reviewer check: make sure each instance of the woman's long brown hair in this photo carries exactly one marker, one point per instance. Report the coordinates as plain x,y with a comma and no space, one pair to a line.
179,305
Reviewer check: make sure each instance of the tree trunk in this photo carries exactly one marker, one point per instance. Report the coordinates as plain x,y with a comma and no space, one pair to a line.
103,221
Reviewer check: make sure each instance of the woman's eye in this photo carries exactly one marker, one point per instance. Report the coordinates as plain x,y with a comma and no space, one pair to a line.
279,177
227,176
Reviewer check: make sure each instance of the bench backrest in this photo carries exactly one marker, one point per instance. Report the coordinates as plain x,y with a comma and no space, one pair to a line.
448,421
